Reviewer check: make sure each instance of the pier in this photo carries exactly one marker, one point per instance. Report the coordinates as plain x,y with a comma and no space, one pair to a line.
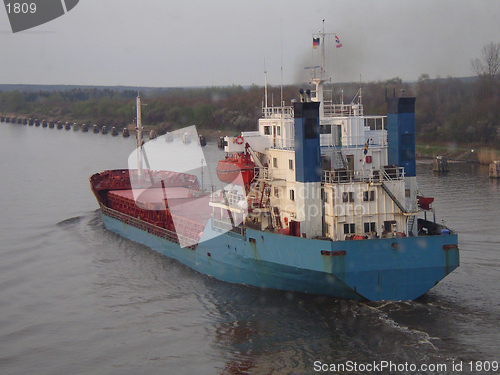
495,169
440,164
84,128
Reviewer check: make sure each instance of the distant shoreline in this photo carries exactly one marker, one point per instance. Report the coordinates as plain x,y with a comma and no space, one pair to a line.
458,153
471,153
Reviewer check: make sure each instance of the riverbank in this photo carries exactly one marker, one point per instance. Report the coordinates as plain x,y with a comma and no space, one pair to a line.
470,154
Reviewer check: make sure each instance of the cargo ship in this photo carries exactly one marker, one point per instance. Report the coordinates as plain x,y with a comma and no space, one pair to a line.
320,199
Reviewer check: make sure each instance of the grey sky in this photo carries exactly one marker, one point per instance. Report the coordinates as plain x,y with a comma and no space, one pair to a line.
223,42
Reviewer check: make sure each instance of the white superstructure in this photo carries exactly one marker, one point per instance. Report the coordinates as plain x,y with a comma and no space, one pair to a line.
359,196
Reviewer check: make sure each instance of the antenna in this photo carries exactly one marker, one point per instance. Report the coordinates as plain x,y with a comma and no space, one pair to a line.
323,51
265,85
139,136
281,62
360,90
319,79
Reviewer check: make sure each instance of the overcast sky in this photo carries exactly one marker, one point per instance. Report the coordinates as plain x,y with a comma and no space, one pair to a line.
166,43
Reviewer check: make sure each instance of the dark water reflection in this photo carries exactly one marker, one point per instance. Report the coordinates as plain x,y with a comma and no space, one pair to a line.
76,298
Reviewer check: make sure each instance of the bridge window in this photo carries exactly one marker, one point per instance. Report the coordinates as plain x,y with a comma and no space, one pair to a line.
349,228
326,229
347,196
368,196
325,129
369,227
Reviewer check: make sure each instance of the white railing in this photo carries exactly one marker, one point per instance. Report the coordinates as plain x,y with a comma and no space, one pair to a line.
368,175
283,143
269,174
411,205
278,112
393,173
262,173
377,138
328,140
342,110
231,199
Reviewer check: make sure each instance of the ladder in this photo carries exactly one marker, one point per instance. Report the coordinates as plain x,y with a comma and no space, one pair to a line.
259,194
411,223
358,221
275,216
229,213
266,193
340,161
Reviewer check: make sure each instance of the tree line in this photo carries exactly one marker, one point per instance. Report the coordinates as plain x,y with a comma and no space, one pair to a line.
232,108
448,110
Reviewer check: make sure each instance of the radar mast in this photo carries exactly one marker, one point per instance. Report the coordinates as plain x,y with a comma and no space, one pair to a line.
318,78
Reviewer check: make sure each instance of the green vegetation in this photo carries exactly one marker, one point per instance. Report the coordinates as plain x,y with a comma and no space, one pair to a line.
452,112
91,106
223,108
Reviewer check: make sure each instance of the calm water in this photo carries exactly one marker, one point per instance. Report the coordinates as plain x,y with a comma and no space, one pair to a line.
77,299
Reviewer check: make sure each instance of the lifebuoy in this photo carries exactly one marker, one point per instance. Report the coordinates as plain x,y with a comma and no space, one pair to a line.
238,140
286,220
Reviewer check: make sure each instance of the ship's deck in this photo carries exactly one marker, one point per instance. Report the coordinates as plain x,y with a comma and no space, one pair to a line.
180,201
153,195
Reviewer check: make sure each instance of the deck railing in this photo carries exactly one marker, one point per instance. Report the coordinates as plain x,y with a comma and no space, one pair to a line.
283,143
278,112
342,110
232,199
368,175
148,227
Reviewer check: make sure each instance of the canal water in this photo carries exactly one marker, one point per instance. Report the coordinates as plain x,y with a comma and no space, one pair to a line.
78,299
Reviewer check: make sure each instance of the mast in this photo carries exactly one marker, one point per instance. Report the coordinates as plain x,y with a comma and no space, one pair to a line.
281,42
360,91
265,85
323,71
318,80
139,137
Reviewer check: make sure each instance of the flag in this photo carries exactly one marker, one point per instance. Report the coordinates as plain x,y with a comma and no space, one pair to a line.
366,146
315,42
337,40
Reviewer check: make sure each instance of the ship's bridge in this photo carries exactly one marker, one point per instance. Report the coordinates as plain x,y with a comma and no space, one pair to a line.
353,131
344,135
277,125
343,126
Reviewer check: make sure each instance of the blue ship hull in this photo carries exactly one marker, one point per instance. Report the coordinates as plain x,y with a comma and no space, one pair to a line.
371,269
